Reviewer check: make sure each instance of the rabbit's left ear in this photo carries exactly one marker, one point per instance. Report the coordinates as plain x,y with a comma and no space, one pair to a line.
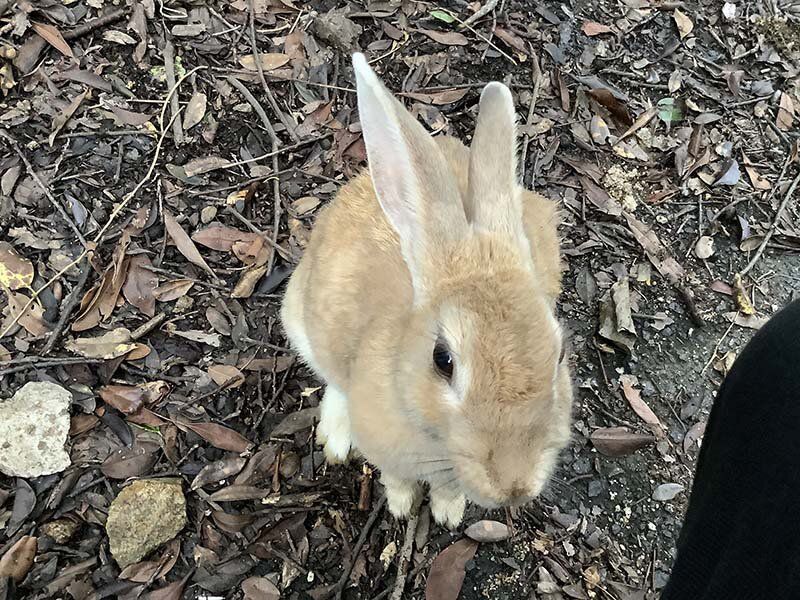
494,200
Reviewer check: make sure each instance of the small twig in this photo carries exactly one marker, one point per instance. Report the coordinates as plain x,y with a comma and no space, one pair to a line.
337,589
688,299
56,362
774,225
169,66
148,326
719,343
484,10
35,176
70,304
536,74
405,557
276,191
114,15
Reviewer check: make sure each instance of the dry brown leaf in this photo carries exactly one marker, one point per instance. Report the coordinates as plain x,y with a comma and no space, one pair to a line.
32,319
511,39
748,321
260,588
600,198
18,560
185,244
112,344
53,37
226,376
66,115
15,271
741,297
128,117
219,436
205,164
439,98
642,120
222,238
591,28
607,99
269,61
639,406
172,290
655,250
195,110
447,571
448,38
756,180
785,116
129,399
140,285
618,441
684,23
246,285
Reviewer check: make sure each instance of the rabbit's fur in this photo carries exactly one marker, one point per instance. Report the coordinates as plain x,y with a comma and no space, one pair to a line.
436,246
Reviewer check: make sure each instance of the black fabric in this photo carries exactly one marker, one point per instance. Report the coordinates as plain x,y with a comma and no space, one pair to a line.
741,535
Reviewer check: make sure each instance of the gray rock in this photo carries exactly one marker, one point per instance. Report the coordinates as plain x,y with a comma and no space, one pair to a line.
34,426
667,491
143,516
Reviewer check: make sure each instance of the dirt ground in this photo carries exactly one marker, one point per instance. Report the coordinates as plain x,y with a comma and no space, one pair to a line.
159,180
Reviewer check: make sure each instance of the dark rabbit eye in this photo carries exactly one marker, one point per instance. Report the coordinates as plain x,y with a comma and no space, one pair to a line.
443,360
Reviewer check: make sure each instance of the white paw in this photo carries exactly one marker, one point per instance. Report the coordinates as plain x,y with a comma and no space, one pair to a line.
448,510
400,496
334,426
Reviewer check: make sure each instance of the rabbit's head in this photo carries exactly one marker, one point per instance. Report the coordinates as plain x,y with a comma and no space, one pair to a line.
480,362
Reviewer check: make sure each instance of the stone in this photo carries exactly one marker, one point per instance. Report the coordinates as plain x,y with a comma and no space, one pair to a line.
34,426
143,516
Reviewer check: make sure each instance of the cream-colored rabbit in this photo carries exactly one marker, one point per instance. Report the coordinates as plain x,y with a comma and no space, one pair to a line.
425,301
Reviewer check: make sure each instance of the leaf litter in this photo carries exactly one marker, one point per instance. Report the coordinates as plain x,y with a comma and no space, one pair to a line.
171,346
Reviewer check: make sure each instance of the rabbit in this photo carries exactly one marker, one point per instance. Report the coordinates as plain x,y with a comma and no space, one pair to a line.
425,301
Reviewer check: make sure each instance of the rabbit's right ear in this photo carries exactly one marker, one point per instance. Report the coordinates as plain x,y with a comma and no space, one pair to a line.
414,185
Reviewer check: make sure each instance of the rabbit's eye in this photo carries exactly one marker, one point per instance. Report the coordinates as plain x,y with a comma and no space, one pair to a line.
443,360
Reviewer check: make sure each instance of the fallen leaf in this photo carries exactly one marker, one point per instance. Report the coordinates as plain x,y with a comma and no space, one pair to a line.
655,250
212,339
129,117
694,434
725,363
748,321
512,40
32,319
639,406
237,493
136,461
246,285
448,570
667,491
218,471
599,130
741,296
185,244
222,238
65,115
669,111
305,205
226,375
296,422
172,290
219,436
269,61
785,116
606,98
204,164
443,16
195,110
721,287
591,28
129,399
756,180
15,271
618,441
729,174
600,198
141,284
448,38
642,120
439,98
486,531
17,561
704,248
53,37
118,37
260,588
174,591
112,344
684,23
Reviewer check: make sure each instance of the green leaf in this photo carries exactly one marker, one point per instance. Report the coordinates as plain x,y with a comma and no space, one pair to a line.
442,16
669,111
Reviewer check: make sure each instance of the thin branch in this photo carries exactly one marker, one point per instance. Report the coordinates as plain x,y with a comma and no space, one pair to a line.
773,226
69,306
484,10
405,557
169,66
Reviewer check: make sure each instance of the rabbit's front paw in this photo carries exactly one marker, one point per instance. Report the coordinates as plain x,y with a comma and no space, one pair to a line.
448,508
334,426
401,495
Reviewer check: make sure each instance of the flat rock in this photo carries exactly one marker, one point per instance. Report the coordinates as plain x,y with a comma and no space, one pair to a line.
143,516
34,426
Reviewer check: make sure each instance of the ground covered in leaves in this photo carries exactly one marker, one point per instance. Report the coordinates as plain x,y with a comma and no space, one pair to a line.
161,167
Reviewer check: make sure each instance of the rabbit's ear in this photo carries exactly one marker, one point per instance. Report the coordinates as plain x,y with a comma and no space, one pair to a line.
494,201
412,180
